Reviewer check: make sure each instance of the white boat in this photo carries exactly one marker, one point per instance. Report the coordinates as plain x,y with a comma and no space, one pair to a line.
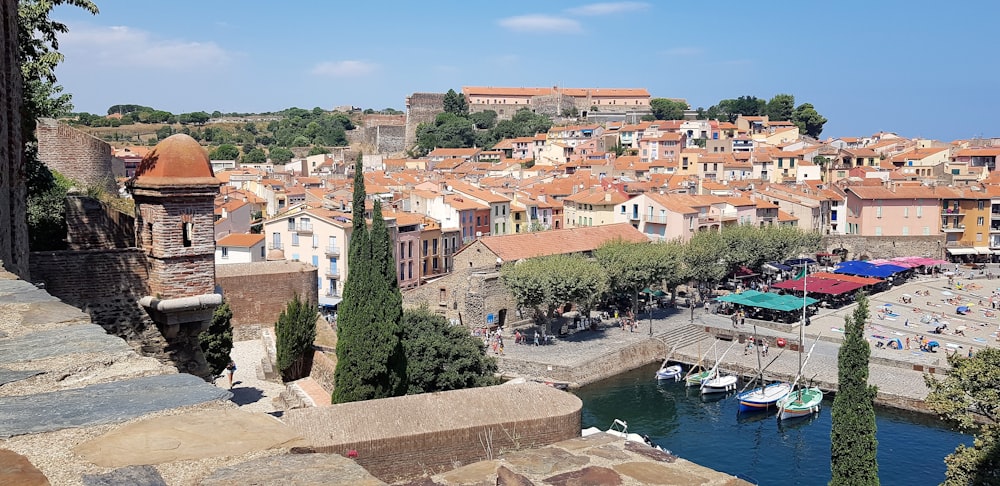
619,428
801,401
719,384
672,372
763,398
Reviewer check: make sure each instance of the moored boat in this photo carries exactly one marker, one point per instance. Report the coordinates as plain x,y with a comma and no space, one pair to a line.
763,398
672,372
719,384
695,379
800,403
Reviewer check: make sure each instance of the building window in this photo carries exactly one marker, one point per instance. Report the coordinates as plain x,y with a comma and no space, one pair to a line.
982,205
409,248
906,212
188,230
920,211
906,230
315,241
263,253
979,221
295,239
979,237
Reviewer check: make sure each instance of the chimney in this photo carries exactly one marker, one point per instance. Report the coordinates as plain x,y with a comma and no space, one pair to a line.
607,197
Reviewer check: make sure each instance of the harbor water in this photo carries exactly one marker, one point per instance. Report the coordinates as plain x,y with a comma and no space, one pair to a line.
707,431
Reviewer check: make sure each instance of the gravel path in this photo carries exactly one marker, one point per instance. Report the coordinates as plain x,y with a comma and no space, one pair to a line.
249,391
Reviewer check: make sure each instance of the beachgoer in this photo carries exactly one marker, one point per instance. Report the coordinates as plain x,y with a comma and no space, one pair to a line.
536,338
970,351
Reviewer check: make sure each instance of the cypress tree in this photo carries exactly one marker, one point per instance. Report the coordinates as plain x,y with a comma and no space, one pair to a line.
853,446
370,358
217,341
295,333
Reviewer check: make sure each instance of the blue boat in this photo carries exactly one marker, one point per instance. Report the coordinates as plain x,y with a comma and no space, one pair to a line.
763,398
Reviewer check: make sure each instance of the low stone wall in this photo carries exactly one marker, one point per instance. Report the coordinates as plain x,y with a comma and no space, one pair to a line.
323,370
887,246
597,369
92,224
405,437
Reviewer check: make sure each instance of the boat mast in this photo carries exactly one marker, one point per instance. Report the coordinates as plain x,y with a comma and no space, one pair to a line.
805,283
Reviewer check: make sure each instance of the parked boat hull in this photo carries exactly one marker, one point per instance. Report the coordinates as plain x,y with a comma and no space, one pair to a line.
763,398
720,384
669,373
800,403
696,378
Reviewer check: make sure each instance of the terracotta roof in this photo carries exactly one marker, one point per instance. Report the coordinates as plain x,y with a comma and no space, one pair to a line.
597,197
240,240
880,192
558,242
978,152
453,152
177,160
783,216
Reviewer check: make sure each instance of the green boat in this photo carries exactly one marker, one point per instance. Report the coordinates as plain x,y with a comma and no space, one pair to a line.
694,379
800,403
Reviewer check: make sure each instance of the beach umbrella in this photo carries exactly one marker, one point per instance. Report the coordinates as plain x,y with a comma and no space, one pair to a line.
659,293
946,293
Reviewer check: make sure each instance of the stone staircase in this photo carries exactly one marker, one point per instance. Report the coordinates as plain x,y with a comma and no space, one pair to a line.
684,335
293,397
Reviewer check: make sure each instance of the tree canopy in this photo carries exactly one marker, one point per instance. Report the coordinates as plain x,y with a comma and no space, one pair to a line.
442,357
217,341
632,267
809,121
225,152
294,334
455,104
546,283
969,397
853,445
780,107
667,109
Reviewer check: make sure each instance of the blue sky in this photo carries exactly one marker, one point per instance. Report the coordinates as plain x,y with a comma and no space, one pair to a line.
918,68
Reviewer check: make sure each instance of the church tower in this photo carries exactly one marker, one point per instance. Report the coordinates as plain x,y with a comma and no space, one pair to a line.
174,190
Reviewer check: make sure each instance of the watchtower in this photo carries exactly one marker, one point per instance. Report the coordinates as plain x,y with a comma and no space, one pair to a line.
174,189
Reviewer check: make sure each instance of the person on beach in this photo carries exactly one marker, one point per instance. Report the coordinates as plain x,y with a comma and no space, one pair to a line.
230,370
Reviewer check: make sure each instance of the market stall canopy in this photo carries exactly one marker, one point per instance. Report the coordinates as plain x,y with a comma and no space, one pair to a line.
768,300
866,269
799,261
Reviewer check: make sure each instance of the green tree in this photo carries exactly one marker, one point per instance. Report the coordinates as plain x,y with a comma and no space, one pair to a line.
255,155
809,121
455,104
294,334
853,445
703,258
442,357
484,120
780,107
371,361
544,284
280,155
969,397
318,150
217,341
632,267
164,132
225,152
46,205
667,109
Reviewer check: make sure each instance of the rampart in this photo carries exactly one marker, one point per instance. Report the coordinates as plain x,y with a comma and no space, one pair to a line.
13,193
93,224
421,108
404,437
75,154
932,246
258,292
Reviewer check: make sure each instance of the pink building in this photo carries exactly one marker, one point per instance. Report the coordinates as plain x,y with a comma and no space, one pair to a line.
901,211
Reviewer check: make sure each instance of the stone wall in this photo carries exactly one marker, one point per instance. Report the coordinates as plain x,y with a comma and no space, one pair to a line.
616,362
93,224
467,294
887,246
75,154
13,194
404,437
323,370
421,108
390,139
258,292
180,266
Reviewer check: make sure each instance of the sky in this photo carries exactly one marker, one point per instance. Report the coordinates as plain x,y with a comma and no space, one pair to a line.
918,68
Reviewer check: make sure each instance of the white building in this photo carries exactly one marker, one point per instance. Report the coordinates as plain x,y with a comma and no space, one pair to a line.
240,248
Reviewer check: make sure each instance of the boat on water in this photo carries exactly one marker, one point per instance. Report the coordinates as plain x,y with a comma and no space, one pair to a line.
717,382
672,372
619,428
801,401
695,379
763,398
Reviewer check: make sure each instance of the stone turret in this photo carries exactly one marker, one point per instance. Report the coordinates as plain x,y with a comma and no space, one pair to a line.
174,190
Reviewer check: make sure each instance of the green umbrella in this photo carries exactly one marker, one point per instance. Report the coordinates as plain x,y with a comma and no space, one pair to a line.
647,290
659,293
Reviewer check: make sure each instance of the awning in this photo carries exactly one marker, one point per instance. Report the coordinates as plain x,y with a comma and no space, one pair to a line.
327,301
962,251
982,250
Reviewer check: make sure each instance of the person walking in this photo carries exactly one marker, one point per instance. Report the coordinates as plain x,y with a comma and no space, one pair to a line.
231,370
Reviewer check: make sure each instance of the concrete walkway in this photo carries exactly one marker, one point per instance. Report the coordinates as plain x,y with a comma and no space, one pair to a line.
250,391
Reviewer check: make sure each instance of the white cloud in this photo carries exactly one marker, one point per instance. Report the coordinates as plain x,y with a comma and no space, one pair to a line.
541,23
684,51
608,8
344,69
126,47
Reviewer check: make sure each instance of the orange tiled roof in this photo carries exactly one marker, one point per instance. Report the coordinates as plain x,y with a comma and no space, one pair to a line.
240,240
558,242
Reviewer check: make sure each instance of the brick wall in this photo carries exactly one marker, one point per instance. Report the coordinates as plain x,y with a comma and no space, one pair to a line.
323,370
888,246
254,304
177,270
421,108
469,294
92,224
76,155
13,194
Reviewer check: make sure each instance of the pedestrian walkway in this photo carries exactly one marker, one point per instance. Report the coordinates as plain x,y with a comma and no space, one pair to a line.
250,391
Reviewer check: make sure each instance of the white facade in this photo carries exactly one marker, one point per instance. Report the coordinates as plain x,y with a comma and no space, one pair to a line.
319,237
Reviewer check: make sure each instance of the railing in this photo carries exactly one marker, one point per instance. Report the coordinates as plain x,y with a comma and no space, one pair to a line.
332,251
656,219
331,293
304,228
332,273
952,228
952,211
275,246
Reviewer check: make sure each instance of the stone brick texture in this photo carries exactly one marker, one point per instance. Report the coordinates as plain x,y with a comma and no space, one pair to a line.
75,154
469,294
616,362
421,108
13,193
323,370
177,270
93,224
932,246
254,305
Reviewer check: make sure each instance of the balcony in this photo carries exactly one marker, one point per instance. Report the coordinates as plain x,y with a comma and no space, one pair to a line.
275,246
332,251
331,293
995,215
634,217
656,219
304,228
955,228
332,273
449,251
953,211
